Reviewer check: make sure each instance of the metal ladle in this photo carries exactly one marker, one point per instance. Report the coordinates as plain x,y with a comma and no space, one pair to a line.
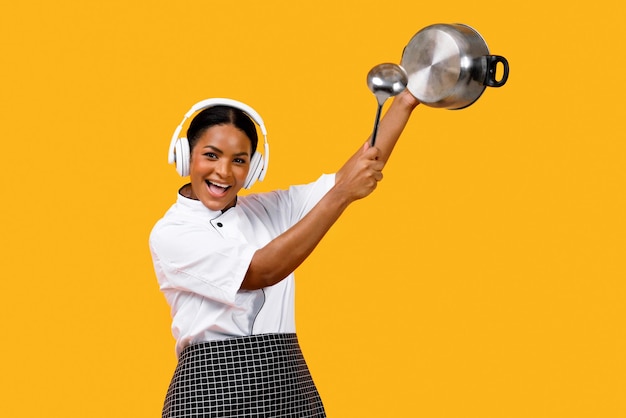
385,80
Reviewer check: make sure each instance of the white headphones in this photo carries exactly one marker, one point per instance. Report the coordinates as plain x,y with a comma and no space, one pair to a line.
179,152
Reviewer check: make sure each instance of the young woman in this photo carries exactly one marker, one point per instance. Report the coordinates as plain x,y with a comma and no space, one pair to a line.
225,264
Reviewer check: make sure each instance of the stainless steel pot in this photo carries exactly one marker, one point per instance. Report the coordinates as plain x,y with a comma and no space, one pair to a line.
449,66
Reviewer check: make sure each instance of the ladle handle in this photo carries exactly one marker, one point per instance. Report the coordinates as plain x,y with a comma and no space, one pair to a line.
375,131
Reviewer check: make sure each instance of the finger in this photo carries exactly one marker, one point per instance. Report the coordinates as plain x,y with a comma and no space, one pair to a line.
378,165
371,152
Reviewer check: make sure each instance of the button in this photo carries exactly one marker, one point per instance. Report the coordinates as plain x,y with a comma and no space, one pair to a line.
220,224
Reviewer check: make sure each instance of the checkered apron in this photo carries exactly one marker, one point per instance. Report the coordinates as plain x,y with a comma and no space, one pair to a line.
255,376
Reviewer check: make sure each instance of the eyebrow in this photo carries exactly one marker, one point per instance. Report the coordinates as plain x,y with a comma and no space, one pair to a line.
216,149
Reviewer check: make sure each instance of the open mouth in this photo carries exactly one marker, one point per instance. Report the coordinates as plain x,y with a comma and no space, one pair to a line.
217,189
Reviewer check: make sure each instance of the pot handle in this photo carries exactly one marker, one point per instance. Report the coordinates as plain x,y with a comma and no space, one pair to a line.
490,77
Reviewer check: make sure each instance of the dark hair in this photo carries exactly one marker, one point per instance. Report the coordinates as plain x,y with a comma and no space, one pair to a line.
221,115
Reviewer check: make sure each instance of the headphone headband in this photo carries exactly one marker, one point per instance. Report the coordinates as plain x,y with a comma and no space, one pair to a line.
258,166
228,102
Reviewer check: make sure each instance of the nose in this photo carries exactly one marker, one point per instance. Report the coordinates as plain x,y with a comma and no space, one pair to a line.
223,168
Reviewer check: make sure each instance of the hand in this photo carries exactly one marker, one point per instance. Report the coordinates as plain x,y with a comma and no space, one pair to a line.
407,98
360,175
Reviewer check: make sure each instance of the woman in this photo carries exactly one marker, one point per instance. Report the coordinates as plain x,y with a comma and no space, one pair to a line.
225,265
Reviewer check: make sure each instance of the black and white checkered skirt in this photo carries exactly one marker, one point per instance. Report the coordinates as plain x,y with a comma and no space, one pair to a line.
255,376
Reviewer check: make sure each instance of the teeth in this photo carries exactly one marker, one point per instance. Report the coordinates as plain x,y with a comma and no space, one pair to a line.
223,186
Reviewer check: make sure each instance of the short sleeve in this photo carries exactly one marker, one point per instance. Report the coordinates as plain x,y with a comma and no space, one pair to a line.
196,259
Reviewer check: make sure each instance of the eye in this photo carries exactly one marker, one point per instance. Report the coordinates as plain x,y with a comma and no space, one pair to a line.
210,155
239,160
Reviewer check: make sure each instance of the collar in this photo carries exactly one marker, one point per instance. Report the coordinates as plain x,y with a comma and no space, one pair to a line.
197,207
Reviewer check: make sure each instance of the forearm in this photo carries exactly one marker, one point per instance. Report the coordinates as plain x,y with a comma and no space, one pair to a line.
393,123
285,253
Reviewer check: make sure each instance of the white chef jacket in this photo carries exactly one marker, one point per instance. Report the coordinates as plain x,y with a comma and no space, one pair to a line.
201,256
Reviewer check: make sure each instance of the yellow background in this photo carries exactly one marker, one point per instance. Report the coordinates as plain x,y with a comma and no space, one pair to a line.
483,278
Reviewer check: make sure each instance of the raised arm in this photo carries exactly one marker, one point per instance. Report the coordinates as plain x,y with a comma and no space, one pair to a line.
356,179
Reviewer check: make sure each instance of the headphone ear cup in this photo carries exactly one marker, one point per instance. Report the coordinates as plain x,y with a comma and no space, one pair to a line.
182,157
256,166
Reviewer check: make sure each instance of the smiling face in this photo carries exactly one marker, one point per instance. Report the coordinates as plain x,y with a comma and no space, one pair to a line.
220,161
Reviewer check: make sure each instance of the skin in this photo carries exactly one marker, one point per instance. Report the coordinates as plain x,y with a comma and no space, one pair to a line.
222,157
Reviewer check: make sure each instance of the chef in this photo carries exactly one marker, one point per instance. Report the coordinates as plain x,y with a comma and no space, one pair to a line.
225,263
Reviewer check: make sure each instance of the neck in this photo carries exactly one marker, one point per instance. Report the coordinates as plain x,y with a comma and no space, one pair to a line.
187,192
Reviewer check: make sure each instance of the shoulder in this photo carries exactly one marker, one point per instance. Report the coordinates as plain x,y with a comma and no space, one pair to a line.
288,204
178,228
319,186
